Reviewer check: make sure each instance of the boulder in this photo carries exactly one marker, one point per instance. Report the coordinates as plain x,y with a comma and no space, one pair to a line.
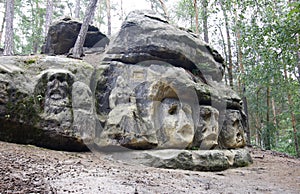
155,87
62,36
46,101
146,35
152,93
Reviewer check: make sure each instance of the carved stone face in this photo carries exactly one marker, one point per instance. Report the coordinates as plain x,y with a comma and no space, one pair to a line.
207,132
232,133
176,127
57,93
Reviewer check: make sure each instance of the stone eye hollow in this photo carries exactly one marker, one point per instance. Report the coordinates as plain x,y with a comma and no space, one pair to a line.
173,108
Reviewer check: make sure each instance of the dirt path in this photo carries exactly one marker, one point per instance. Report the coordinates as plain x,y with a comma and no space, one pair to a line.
28,169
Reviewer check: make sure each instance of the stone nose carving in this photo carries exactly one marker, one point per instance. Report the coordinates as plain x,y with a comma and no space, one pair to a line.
176,123
57,88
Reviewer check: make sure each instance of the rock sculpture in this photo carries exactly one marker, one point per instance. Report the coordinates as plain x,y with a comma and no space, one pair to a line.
156,87
207,131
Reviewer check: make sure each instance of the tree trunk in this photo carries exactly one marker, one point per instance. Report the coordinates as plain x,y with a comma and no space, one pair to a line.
267,136
9,33
225,52
122,11
205,17
2,28
163,6
78,47
49,14
196,16
77,9
298,57
108,18
258,121
230,64
242,86
275,123
293,118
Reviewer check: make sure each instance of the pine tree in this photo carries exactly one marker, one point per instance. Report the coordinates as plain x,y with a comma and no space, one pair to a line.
78,47
9,33
108,17
49,15
77,9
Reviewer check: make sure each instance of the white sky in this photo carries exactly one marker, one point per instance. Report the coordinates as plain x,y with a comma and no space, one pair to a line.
128,6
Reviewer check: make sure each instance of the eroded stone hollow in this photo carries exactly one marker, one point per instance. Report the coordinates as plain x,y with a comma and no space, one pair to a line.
157,88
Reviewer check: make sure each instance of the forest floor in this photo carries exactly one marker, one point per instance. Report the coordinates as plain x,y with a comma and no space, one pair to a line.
29,169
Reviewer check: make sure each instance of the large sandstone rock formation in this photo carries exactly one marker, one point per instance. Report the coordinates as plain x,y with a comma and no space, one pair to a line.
161,88
62,36
156,87
46,101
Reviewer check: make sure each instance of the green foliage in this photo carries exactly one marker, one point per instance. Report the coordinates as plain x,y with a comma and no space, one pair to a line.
269,50
184,11
268,32
286,142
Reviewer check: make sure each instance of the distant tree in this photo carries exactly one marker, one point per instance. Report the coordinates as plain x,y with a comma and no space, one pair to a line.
164,8
9,33
204,19
2,27
89,13
108,17
196,16
185,13
224,7
122,10
49,15
77,9
160,7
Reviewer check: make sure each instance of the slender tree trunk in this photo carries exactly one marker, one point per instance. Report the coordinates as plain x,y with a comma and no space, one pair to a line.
298,57
258,121
242,87
163,6
77,9
268,132
298,51
49,14
108,18
275,119
37,26
9,33
230,64
294,123
196,16
225,52
205,17
122,11
2,28
78,47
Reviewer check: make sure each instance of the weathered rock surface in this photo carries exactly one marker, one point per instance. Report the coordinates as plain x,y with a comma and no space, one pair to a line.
148,36
46,101
152,93
62,36
155,87
198,160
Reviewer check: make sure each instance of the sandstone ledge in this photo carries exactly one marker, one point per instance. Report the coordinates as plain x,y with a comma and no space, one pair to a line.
197,160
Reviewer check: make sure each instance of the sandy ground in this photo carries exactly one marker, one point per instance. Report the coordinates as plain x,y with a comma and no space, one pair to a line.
29,169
